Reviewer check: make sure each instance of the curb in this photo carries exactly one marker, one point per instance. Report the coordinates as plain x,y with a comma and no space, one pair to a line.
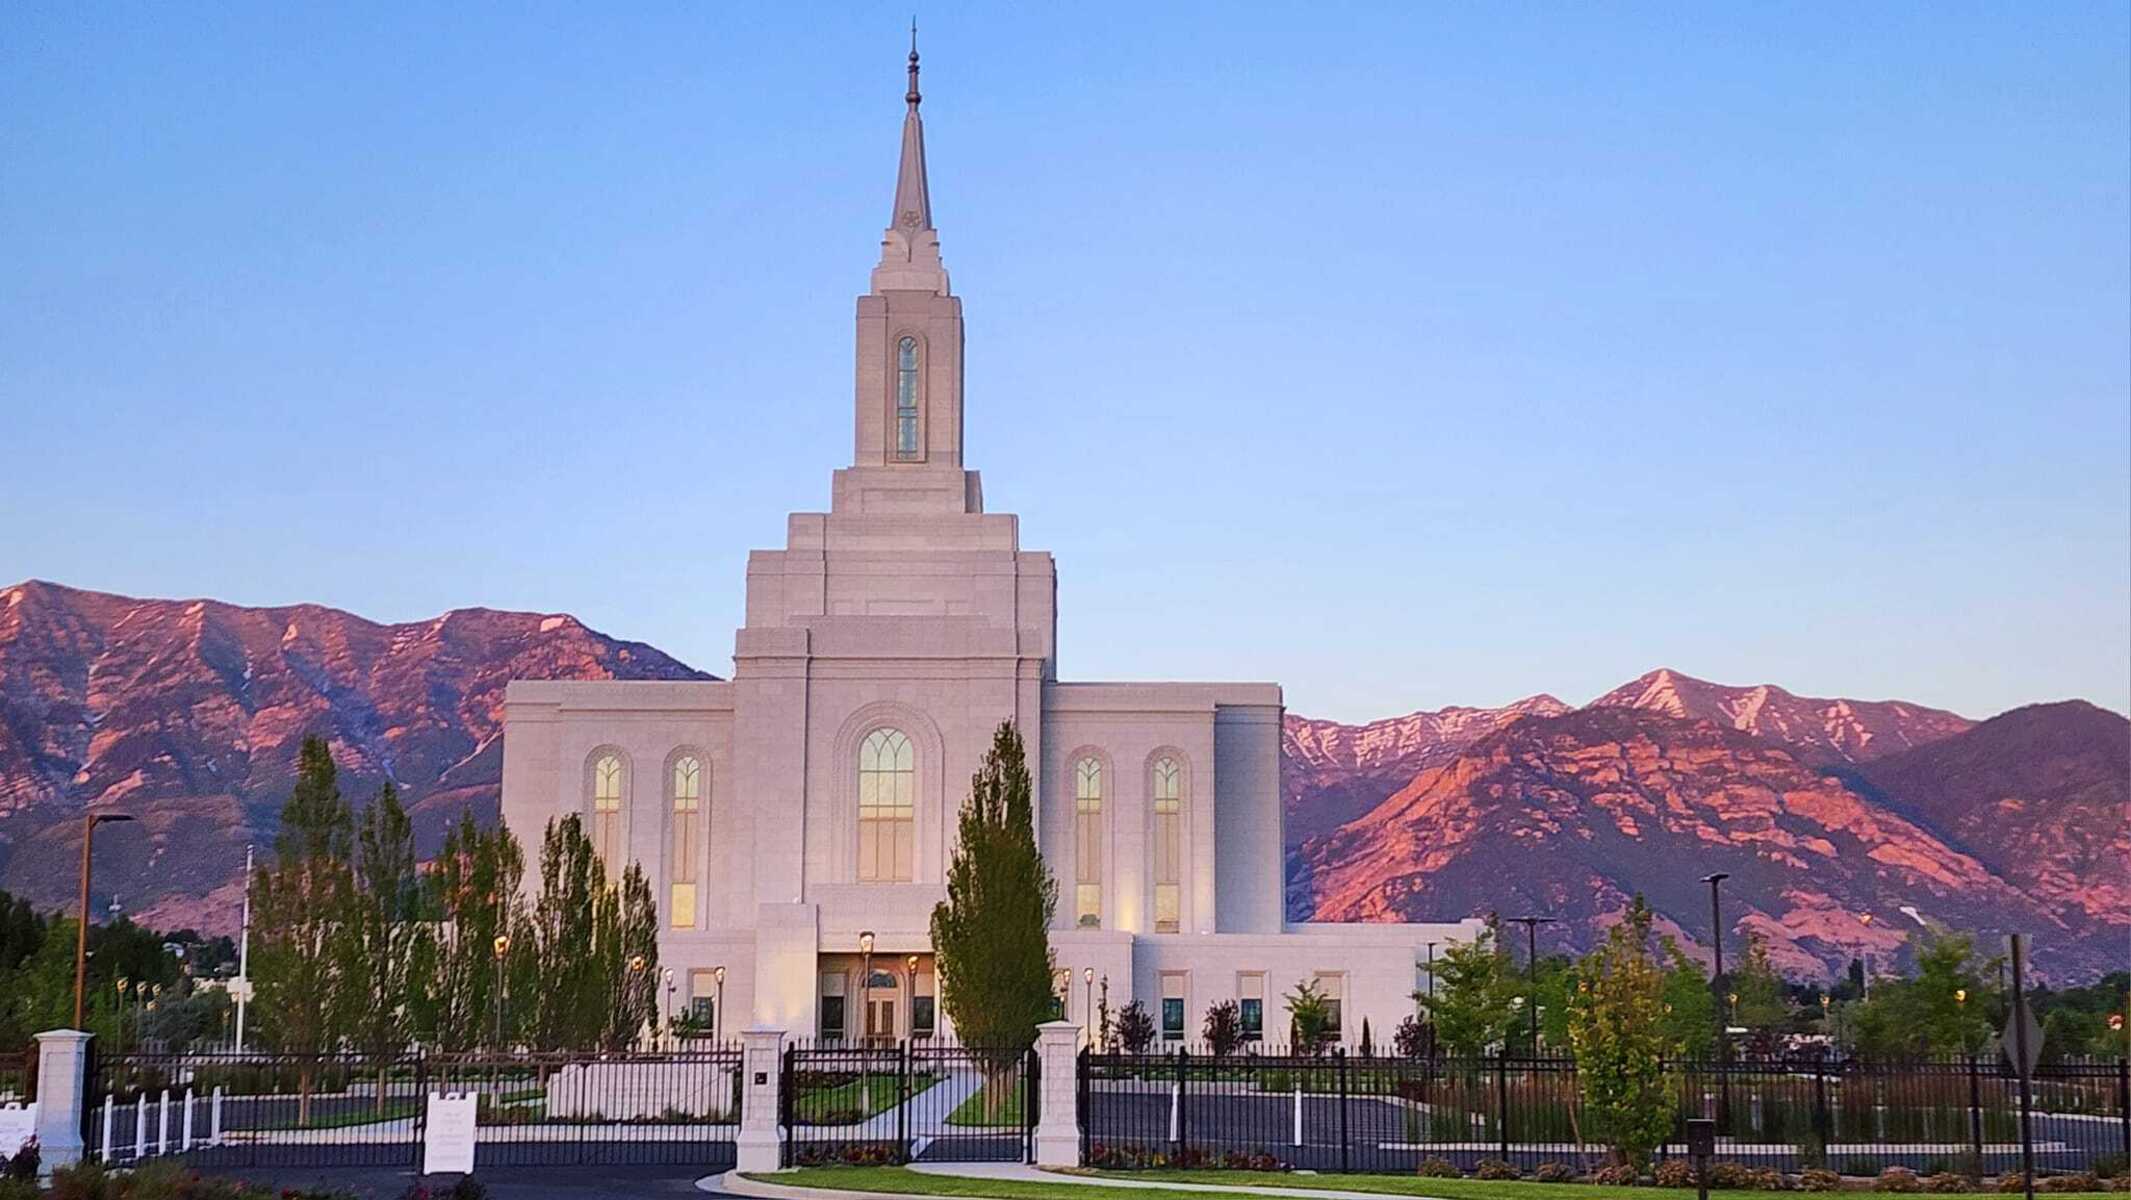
734,1183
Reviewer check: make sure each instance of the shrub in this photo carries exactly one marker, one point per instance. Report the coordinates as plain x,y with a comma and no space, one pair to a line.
1947,1181
1730,1175
468,1188
1769,1179
2079,1182
1618,1175
1819,1179
1898,1179
82,1181
22,1168
1554,1172
19,1189
1433,1167
1237,1160
2012,1181
1493,1168
2110,1166
1675,1173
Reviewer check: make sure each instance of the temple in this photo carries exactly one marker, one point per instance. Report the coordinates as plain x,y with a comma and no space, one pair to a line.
796,820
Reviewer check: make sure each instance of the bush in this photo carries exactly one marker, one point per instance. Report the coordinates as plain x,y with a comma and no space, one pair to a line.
2012,1181
1554,1172
1433,1167
82,1181
1618,1175
2110,1166
1730,1175
1898,1179
1493,1168
1769,1179
1675,1173
2079,1182
1819,1179
1948,1181
22,1168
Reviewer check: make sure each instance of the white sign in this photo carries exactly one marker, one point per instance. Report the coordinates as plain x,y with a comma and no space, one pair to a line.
448,1134
18,1124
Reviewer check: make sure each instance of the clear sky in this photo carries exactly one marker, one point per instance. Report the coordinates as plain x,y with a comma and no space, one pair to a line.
1409,355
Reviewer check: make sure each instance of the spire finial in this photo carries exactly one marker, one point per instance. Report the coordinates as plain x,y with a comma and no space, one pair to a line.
911,97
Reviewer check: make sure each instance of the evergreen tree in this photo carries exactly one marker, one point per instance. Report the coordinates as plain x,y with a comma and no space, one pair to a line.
301,905
992,933
376,940
1135,1029
1309,1018
1616,1029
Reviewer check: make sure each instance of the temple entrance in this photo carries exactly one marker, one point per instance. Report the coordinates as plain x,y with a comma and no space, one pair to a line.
878,1004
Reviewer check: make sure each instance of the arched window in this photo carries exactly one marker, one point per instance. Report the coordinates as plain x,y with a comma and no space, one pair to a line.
906,398
887,788
685,785
607,778
1168,845
1087,841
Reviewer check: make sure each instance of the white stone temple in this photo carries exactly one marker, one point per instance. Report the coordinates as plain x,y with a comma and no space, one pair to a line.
812,798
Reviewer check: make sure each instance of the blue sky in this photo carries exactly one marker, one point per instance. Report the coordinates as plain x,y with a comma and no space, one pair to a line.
1410,355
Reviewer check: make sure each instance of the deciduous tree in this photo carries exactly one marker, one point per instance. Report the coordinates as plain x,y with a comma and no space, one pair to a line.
301,906
1616,1029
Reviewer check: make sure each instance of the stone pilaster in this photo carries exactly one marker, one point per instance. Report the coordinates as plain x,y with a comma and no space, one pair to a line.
62,1089
760,1146
1058,1104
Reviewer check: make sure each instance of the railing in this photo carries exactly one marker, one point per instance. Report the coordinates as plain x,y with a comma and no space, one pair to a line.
278,1110
1339,1112
18,1074
927,1100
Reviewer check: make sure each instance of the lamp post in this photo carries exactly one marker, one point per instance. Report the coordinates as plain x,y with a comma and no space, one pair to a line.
1864,956
865,988
81,933
1531,969
1431,970
717,1009
501,946
630,982
666,1008
1087,1007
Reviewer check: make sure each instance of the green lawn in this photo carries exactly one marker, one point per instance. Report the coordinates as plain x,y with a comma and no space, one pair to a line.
855,1100
899,1181
366,1114
991,1106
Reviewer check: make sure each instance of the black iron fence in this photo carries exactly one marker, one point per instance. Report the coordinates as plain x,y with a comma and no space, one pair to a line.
18,1074
1341,1112
276,1110
923,1100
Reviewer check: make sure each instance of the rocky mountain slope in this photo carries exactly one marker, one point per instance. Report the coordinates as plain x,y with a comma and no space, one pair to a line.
1668,779
190,713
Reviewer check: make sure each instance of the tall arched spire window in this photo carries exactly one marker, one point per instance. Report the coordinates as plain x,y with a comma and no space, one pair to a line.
685,786
906,399
1087,841
1168,845
608,775
887,791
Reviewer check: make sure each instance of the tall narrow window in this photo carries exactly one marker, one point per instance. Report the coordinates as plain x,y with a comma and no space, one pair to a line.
1250,1004
887,791
1087,829
682,850
1173,1007
1168,845
1332,985
906,399
607,813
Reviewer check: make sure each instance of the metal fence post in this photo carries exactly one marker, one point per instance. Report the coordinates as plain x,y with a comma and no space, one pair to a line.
1823,1127
902,1096
1340,1056
1502,1100
1975,1112
1182,1138
1080,1107
2123,1102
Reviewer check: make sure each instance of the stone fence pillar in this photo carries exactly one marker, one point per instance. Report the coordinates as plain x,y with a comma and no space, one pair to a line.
1058,1106
62,1091
760,1146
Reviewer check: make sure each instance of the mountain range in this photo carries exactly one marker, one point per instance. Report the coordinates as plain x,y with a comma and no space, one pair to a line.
1824,812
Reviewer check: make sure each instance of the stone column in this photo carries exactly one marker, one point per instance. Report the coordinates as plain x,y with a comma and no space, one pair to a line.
760,1146
62,1087
1058,1104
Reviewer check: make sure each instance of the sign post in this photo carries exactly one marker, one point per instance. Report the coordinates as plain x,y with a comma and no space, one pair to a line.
448,1133
2023,1045
1701,1144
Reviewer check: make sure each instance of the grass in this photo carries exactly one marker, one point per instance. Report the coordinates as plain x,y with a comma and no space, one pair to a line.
991,1107
365,1113
903,1182
856,1099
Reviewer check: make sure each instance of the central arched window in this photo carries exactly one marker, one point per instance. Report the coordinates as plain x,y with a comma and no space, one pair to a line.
607,777
1087,841
1168,845
887,789
906,398
686,787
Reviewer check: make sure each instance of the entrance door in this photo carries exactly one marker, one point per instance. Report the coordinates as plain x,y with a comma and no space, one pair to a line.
880,1020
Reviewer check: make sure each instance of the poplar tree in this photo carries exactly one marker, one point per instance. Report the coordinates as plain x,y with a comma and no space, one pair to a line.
300,905
377,939
992,933
475,893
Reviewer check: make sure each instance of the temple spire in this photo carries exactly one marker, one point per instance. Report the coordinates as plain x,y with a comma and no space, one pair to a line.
910,251
913,202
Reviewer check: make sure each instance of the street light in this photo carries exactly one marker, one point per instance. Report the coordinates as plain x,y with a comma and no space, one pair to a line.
1864,956
717,1012
1531,968
1431,970
1087,1008
502,947
865,987
666,1009
81,934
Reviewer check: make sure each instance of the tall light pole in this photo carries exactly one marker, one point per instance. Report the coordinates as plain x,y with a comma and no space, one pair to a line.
865,987
81,933
666,1007
1087,1008
717,1011
242,986
1431,970
1531,968
501,946
1716,941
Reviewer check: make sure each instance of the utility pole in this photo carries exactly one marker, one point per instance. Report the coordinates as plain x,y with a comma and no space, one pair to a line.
81,932
1531,969
243,984
1716,942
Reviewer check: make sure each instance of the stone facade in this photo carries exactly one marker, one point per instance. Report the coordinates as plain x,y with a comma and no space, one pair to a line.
811,799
